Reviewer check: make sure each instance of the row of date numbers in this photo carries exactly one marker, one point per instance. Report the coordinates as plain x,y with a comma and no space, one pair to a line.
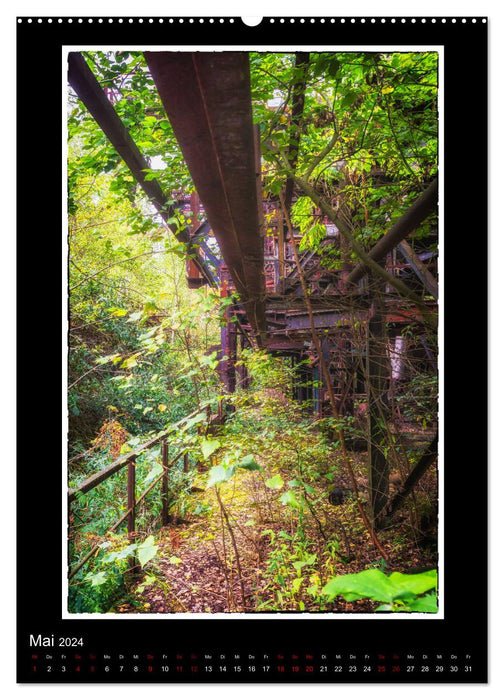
259,669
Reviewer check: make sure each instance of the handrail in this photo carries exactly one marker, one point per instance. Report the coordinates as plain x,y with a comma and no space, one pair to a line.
123,517
133,502
107,472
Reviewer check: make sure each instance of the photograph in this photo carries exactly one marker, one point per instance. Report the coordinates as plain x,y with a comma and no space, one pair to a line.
253,243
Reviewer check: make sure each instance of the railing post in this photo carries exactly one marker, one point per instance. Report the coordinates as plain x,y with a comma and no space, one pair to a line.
131,509
164,484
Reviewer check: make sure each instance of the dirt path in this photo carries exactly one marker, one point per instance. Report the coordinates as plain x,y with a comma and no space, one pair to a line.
197,571
197,562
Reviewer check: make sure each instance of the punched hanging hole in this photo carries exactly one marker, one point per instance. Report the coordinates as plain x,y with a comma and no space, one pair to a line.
251,21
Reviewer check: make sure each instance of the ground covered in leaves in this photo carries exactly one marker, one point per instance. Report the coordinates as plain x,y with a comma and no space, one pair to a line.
268,540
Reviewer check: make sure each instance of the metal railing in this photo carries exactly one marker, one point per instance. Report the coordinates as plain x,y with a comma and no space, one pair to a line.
129,460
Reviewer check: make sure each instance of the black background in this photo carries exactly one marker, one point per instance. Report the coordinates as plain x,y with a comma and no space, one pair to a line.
40,475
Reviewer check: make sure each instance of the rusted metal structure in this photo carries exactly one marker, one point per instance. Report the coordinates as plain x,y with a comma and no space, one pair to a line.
207,99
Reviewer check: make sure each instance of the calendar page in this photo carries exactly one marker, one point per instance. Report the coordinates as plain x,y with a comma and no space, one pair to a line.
250,328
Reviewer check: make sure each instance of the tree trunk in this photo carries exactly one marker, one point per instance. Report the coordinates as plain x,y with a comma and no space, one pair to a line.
377,374
416,473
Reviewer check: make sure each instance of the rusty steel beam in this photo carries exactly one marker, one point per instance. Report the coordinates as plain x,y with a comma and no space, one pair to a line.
422,271
324,319
207,98
89,91
285,346
329,302
406,224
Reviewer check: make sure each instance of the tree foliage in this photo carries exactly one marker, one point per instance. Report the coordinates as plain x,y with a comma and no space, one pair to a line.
367,141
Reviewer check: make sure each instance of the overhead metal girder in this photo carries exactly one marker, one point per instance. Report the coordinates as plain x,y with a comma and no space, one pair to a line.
89,91
422,271
349,302
198,237
285,346
208,102
323,319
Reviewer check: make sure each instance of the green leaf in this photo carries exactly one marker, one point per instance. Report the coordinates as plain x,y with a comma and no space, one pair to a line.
192,421
148,581
415,583
248,462
296,584
209,360
174,560
108,358
118,312
276,482
427,603
129,363
97,579
349,99
147,551
298,565
374,584
289,499
333,67
208,447
120,554
156,471
149,308
217,475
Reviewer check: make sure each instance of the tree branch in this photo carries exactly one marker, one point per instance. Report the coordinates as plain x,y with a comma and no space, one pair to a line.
408,222
418,471
119,262
328,148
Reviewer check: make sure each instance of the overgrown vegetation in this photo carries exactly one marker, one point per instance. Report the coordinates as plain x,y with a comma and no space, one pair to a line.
252,525
258,494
